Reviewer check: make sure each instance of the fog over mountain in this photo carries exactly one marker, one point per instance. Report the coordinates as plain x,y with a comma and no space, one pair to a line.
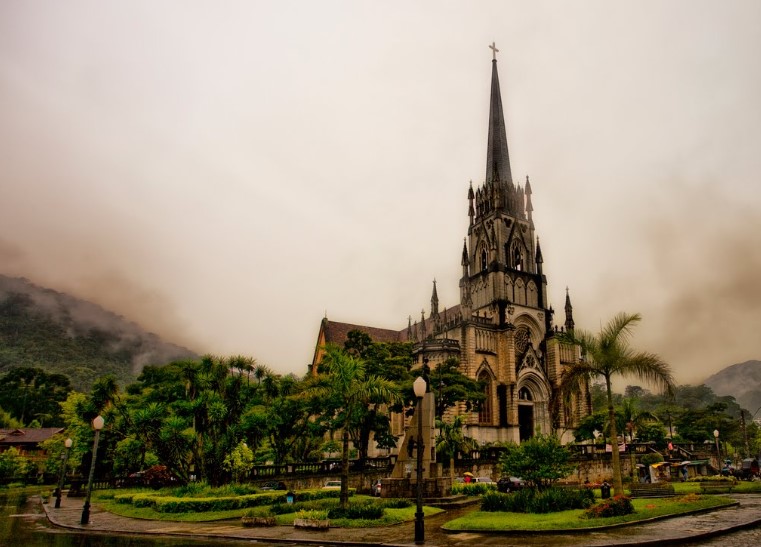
54,331
742,381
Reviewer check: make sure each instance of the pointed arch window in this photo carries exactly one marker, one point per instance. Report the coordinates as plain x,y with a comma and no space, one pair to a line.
516,256
483,259
485,412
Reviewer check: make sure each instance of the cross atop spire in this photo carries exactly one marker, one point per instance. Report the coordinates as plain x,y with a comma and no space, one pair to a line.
494,50
497,157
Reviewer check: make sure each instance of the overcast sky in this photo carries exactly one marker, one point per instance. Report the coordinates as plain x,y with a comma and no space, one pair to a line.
227,173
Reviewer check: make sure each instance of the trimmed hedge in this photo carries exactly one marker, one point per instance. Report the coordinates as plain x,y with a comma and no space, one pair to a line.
180,504
396,503
529,500
368,511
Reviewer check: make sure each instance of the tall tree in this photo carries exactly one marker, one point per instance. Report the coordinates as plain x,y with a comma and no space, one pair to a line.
348,389
540,460
388,360
607,355
630,419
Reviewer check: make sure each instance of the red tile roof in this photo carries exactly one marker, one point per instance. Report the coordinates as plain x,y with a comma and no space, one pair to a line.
337,333
12,437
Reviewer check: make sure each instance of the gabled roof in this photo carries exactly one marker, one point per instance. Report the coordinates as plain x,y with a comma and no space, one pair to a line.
337,333
27,435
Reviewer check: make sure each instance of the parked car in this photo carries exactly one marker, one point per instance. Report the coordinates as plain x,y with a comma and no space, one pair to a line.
273,485
332,485
375,489
483,480
510,484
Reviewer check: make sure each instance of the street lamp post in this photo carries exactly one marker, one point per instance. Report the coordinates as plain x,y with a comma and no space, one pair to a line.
419,386
97,424
718,453
67,443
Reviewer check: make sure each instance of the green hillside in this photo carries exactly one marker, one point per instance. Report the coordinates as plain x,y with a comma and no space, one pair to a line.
61,334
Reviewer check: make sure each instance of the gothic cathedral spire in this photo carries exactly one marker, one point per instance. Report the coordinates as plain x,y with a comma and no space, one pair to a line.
497,158
569,324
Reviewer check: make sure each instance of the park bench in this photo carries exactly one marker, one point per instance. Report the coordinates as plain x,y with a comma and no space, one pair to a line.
652,490
716,487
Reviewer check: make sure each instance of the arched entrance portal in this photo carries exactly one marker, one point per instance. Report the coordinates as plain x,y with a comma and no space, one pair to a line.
525,414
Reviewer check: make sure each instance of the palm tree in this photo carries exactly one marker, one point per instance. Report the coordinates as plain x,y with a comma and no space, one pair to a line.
451,440
605,355
347,389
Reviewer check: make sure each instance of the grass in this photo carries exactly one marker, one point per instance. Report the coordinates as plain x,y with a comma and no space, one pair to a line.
571,520
105,501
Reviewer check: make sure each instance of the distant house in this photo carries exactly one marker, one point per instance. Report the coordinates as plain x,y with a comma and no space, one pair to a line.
27,441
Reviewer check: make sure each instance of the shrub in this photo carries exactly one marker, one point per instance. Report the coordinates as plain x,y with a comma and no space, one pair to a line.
158,476
283,508
396,503
253,512
358,511
312,515
533,501
613,507
473,488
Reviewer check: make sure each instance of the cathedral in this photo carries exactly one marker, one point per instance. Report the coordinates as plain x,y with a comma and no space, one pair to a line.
502,330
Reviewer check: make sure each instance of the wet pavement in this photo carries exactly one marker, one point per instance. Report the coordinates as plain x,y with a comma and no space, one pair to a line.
686,530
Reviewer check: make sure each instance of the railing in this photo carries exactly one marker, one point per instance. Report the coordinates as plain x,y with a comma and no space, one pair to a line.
318,468
593,451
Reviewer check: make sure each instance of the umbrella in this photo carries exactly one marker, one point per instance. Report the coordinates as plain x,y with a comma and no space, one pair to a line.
467,474
687,462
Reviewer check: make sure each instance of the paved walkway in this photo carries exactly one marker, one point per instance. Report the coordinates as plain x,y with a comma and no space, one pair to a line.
680,529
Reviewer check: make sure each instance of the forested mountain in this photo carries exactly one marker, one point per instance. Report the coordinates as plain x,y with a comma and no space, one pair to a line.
62,334
742,381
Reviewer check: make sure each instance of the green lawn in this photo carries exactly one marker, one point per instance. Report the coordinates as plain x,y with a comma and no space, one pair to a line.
566,520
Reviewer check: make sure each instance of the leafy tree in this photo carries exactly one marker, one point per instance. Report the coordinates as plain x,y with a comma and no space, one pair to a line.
288,418
653,433
540,460
450,387
239,462
698,424
631,419
348,389
452,440
13,464
591,427
9,422
177,440
29,393
606,355
388,360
